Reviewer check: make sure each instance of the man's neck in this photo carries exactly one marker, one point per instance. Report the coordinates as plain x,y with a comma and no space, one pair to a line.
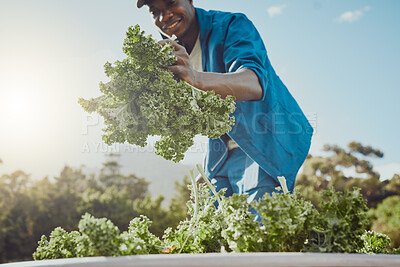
188,40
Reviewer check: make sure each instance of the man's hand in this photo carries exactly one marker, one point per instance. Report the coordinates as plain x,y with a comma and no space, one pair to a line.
242,84
183,67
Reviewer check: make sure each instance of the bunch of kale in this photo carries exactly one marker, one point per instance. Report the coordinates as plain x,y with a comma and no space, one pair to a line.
143,98
287,223
99,237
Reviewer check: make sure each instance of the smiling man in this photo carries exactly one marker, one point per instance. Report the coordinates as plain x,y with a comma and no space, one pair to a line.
224,52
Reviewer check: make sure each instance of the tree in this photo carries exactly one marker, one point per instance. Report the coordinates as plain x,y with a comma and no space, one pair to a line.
386,219
30,209
178,204
321,173
161,217
392,187
16,225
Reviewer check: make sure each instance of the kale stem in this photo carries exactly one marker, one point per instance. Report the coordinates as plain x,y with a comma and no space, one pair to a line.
282,181
200,169
196,209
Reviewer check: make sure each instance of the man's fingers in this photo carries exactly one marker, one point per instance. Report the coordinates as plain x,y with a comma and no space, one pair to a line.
164,42
174,68
181,59
176,46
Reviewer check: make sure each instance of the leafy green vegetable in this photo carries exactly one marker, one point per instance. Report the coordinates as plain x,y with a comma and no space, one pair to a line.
241,231
143,99
374,243
138,240
61,245
99,237
341,223
287,223
202,232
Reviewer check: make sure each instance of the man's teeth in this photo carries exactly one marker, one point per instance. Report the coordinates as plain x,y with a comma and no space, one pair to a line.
174,24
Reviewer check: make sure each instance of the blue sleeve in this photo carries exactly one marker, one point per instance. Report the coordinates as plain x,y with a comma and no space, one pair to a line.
244,48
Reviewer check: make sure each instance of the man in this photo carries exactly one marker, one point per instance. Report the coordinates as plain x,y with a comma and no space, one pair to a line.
223,52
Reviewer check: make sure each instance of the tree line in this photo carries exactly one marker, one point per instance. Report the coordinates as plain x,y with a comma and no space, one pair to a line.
30,209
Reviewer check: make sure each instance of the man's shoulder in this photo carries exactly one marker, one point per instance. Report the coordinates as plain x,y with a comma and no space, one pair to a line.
221,16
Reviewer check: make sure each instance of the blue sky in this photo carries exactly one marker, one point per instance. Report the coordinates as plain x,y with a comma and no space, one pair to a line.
339,58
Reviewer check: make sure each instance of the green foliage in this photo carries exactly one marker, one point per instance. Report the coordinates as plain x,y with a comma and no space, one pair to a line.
287,221
241,231
341,223
138,240
386,219
152,208
202,232
143,99
99,237
393,185
178,210
32,208
61,245
374,243
322,173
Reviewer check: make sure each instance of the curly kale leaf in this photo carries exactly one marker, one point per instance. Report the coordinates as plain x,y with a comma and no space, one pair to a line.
202,232
241,232
100,237
138,240
286,221
375,243
144,99
341,223
61,245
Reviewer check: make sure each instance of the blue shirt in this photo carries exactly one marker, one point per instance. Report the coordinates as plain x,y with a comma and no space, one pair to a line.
273,131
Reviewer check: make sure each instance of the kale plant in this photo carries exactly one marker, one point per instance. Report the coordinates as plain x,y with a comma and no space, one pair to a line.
242,232
341,223
99,237
374,243
138,240
143,99
201,232
286,220
61,245
215,223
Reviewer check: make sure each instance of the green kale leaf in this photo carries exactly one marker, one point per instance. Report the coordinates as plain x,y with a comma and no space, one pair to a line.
143,99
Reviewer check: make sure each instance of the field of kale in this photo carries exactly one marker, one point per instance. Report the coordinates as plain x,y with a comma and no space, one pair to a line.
288,223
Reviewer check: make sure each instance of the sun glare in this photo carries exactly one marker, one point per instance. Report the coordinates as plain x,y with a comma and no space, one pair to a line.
16,105
16,109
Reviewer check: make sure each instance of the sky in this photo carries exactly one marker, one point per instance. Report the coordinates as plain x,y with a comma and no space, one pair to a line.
339,59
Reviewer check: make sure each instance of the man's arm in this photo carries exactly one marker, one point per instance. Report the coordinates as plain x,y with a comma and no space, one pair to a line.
242,84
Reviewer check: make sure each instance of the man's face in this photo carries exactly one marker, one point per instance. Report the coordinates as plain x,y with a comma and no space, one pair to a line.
172,17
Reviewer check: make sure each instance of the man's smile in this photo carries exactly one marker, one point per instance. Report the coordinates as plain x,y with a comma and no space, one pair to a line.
171,26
